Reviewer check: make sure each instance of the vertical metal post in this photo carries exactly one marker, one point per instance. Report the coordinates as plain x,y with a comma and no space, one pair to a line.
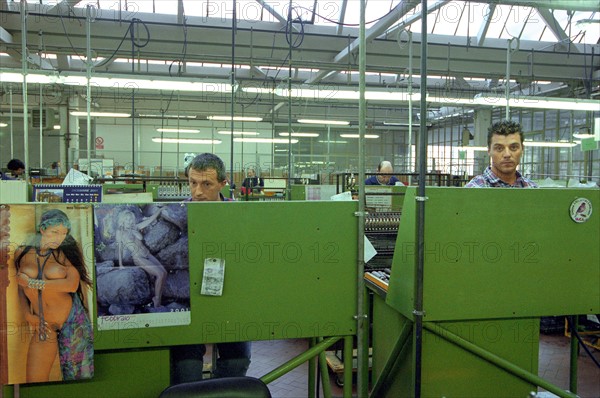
25,100
290,29
362,323
420,258
41,130
232,110
88,74
12,143
410,106
574,323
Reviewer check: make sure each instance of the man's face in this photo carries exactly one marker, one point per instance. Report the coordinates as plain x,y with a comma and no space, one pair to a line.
19,171
204,185
383,180
505,152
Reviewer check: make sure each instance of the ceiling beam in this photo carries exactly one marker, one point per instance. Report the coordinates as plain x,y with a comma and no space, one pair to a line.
62,7
415,17
379,27
485,24
340,27
573,5
564,42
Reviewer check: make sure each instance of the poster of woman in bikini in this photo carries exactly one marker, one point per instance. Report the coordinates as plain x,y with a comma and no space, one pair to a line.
49,296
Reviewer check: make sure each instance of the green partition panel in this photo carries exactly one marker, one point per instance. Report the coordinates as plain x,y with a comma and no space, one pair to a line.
290,272
133,373
499,253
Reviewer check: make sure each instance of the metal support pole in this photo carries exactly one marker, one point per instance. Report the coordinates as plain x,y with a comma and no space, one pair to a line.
574,323
325,382
420,258
299,360
362,323
88,74
393,361
312,370
496,360
12,144
348,348
25,100
410,106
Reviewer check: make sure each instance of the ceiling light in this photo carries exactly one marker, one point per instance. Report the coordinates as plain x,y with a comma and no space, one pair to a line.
333,141
100,114
574,104
224,132
266,140
235,118
56,127
299,134
357,136
184,141
549,144
190,131
472,148
3,125
165,116
324,94
118,81
317,121
583,132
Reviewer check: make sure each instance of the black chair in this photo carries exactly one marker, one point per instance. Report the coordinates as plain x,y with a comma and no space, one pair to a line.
228,387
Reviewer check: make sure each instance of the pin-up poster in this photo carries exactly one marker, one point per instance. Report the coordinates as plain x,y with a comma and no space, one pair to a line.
48,301
142,267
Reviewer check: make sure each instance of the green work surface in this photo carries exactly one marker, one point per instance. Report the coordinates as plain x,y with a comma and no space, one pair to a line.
499,253
290,272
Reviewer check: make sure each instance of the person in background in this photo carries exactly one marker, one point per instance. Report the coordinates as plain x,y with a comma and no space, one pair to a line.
505,148
16,168
207,177
385,178
56,169
252,183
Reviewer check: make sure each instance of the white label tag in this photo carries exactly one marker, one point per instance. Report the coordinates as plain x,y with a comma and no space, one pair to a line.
213,277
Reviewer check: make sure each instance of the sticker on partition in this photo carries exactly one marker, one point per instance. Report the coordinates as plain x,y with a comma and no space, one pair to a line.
580,210
213,277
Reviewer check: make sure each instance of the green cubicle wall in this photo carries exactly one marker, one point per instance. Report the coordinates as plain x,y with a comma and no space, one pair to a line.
495,260
499,253
290,272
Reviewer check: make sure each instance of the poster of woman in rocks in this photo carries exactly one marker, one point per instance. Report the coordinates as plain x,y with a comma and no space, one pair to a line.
49,299
142,277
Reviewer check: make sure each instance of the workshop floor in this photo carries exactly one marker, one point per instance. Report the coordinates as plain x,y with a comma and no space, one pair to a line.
553,367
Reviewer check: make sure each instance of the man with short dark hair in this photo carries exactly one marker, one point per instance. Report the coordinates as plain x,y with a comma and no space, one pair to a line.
16,168
505,148
207,176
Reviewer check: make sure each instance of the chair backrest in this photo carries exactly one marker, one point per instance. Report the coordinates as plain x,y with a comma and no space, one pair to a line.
228,387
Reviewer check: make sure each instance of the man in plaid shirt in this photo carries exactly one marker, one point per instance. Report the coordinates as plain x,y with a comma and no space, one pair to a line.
505,147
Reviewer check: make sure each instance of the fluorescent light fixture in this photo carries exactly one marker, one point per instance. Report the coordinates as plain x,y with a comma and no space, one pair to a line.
548,144
574,104
357,136
56,127
472,148
299,134
3,125
100,114
118,81
225,132
185,141
235,118
190,131
326,94
319,121
266,140
333,142
167,116
583,132
281,150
